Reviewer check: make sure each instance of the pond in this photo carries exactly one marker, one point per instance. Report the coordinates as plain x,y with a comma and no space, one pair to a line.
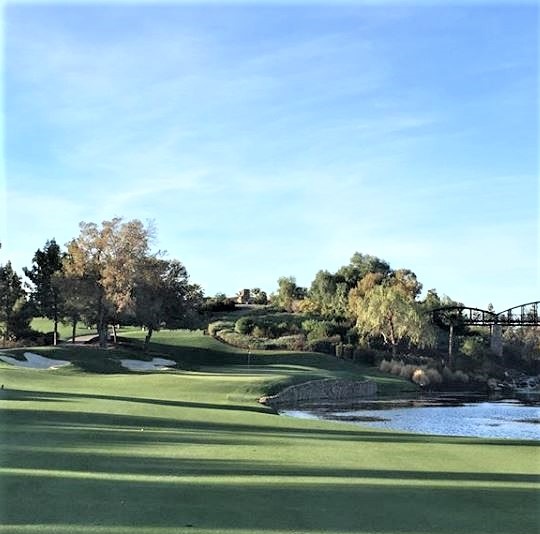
488,419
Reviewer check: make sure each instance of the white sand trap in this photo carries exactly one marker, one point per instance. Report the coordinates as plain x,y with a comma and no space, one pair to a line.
157,364
35,361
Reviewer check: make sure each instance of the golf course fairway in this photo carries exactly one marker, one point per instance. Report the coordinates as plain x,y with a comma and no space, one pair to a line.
191,450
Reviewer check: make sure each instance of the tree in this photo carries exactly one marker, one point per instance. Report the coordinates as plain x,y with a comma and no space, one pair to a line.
163,295
78,299
407,281
259,296
11,293
359,266
389,312
329,293
45,294
108,258
288,292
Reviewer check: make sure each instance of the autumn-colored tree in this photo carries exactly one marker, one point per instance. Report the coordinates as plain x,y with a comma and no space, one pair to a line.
108,257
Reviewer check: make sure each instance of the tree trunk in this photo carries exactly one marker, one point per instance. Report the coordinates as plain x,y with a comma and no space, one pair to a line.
55,318
73,329
114,333
147,338
102,325
450,344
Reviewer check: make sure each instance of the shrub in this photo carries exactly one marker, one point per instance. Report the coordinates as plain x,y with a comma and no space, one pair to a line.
448,375
407,371
434,376
385,366
244,325
216,326
461,376
325,345
292,342
258,332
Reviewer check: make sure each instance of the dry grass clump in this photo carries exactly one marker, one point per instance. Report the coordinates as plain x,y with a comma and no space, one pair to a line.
420,377
434,376
460,376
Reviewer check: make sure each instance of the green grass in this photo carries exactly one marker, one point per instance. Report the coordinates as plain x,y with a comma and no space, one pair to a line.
41,324
192,451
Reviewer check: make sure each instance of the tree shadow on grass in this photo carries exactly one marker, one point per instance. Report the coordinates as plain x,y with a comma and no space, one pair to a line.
200,429
49,460
267,507
28,395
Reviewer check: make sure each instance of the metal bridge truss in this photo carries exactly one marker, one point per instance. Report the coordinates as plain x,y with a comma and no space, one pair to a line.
522,315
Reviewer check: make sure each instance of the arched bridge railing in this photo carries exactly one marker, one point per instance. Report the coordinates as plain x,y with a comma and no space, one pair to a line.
522,315
463,315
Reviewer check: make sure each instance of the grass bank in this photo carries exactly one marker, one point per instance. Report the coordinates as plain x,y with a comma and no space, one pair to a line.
191,451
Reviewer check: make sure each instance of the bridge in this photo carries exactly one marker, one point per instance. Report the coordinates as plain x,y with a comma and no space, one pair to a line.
455,317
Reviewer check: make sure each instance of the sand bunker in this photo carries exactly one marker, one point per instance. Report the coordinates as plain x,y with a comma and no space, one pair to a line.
35,361
157,364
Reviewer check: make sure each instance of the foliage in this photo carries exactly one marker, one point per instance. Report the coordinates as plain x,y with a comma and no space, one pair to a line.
162,295
325,345
218,303
109,257
244,325
329,293
390,312
13,306
258,296
45,293
288,292
216,326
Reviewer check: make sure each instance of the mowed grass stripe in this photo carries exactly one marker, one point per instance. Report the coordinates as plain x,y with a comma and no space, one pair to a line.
232,479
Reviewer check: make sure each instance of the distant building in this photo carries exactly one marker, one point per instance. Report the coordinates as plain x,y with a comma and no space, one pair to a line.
243,296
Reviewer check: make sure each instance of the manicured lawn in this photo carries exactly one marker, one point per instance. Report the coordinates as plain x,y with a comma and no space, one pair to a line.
192,451
41,324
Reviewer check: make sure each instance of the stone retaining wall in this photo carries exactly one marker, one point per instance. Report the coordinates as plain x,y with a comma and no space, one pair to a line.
322,391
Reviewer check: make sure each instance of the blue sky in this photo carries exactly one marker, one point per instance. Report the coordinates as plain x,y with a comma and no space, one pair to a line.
278,140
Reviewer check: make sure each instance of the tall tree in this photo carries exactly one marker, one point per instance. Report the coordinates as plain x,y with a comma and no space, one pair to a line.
288,292
45,294
108,257
11,299
359,266
329,293
163,295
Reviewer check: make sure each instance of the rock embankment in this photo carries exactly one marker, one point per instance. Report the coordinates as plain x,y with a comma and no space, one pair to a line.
321,392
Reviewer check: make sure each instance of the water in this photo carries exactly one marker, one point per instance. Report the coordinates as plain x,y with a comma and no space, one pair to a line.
494,419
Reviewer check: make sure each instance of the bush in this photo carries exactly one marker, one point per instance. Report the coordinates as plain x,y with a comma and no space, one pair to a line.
244,325
434,376
293,342
325,345
215,327
258,332
461,376
320,329
407,371
385,366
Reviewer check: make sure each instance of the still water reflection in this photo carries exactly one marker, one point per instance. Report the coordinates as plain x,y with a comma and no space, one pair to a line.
494,419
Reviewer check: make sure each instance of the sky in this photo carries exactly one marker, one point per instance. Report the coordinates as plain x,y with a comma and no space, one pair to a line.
279,139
